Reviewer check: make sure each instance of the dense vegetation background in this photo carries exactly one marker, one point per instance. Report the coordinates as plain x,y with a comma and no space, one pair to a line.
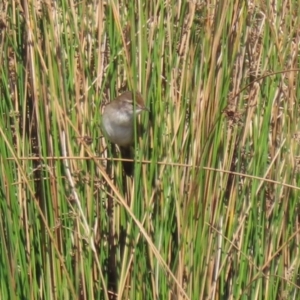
213,209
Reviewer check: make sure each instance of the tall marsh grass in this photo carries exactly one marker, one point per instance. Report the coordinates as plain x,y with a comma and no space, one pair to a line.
212,211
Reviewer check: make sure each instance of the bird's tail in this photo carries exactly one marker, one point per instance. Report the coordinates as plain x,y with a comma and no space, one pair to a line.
128,166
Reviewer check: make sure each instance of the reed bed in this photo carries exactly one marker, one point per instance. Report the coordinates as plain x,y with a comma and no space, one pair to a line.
212,211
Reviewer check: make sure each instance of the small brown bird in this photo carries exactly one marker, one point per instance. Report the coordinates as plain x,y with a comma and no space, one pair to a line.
118,124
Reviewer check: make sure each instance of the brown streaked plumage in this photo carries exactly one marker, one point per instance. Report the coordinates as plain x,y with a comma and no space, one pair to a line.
118,124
